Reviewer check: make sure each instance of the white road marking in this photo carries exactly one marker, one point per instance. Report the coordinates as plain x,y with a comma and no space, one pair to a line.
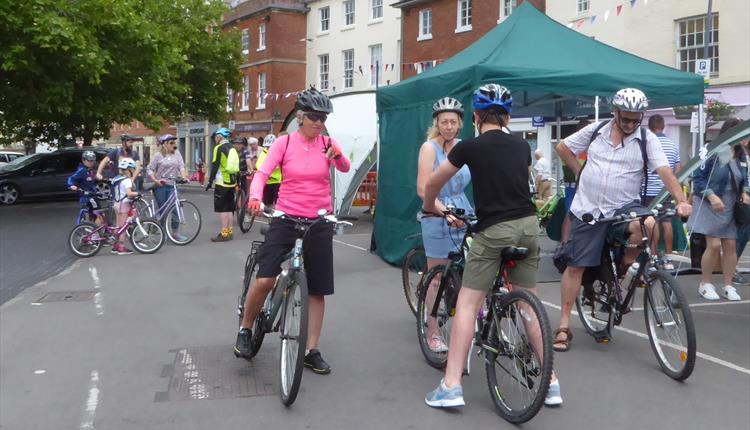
196,388
98,295
89,413
350,245
698,305
40,372
704,356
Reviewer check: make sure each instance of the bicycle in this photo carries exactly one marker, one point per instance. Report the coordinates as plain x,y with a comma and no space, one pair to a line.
174,212
286,307
96,202
87,238
244,220
601,304
517,380
413,270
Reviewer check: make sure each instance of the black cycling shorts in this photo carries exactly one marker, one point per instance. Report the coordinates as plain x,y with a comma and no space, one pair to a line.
223,199
318,254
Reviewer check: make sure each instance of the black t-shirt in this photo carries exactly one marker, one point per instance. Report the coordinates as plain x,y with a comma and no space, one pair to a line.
499,164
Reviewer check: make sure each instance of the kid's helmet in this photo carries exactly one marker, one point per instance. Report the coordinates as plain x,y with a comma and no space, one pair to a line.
447,104
630,100
88,155
490,95
126,163
268,140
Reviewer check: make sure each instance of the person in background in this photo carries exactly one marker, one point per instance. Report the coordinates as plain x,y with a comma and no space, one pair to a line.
271,190
122,195
225,183
743,232
84,178
542,175
165,167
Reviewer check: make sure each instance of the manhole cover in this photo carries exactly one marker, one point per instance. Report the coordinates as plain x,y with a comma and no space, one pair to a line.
67,296
213,372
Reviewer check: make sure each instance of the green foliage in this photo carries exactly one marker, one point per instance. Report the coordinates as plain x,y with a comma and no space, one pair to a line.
76,67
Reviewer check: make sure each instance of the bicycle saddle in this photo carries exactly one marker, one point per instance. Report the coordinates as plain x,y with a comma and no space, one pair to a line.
512,253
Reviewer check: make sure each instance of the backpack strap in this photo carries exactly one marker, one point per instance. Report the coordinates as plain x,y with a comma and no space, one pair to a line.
644,153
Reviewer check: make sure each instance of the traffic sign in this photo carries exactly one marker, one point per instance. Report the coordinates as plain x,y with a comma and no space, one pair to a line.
537,121
703,67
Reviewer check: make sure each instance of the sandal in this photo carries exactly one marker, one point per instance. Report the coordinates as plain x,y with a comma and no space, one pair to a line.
564,344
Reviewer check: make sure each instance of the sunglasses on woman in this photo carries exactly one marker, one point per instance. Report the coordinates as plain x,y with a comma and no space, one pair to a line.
316,116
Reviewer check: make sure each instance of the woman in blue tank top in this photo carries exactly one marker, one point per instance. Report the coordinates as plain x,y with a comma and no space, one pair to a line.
442,235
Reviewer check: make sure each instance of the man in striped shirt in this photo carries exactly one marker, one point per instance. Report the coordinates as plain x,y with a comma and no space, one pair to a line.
655,184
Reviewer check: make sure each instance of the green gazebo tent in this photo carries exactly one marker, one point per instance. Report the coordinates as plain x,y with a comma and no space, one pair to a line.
551,70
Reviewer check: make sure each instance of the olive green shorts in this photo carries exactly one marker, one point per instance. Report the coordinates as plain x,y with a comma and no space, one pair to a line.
483,261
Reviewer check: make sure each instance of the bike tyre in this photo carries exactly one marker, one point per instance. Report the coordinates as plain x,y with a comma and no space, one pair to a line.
295,309
435,359
153,231
595,316
682,307
413,271
189,211
503,308
74,240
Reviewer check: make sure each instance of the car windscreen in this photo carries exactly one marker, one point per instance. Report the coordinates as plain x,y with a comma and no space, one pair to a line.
21,162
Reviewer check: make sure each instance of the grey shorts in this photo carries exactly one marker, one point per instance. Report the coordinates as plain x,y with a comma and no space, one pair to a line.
586,241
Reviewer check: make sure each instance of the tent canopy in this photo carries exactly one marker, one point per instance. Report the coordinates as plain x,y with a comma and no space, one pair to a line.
550,69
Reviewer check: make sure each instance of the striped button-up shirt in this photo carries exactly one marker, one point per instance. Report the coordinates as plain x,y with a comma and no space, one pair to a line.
613,173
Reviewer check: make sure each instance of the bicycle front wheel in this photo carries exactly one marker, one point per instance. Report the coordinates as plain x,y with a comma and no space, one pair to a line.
518,356
183,223
143,209
434,332
244,219
413,270
148,237
82,241
670,325
293,336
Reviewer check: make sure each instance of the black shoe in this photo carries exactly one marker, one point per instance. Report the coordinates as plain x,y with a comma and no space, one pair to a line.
242,348
315,362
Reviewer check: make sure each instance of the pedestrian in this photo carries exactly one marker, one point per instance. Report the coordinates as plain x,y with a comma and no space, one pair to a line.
306,157
743,231
609,183
442,236
654,186
542,175
224,175
122,194
717,185
165,167
500,168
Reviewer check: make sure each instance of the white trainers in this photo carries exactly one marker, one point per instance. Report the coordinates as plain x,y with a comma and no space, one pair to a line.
708,291
730,293
554,398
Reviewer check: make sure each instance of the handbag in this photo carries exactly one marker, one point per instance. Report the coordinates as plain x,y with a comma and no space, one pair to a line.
741,209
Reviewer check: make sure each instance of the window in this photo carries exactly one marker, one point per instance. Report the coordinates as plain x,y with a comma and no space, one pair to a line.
377,9
348,68
245,93
325,19
463,15
507,7
425,24
245,41
583,6
262,37
261,90
348,12
690,34
323,69
376,65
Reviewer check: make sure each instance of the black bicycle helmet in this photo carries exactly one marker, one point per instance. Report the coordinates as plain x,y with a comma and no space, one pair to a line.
313,100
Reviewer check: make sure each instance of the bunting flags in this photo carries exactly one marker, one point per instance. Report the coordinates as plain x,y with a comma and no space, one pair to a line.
619,10
605,14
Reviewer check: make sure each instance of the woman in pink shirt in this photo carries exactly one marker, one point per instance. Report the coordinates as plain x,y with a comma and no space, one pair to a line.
305,158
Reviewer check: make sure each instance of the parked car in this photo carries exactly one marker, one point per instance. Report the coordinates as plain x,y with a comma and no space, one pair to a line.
8,156
43,175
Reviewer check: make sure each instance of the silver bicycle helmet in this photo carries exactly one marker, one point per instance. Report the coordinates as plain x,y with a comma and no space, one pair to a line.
630,100
447,104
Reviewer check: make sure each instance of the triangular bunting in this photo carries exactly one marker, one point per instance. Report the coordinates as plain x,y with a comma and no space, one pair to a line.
606,15
579,24
593,18
632,3
619,9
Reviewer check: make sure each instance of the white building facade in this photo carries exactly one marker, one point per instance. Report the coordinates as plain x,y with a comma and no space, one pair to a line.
671,32
352,45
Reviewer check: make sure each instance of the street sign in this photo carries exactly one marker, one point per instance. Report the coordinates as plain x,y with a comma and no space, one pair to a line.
231,124
703,67
694,124
537,121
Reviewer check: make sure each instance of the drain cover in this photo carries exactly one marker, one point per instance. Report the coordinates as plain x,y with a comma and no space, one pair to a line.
67,296
213,372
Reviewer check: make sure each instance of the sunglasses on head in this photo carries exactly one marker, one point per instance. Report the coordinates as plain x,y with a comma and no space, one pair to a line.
316,116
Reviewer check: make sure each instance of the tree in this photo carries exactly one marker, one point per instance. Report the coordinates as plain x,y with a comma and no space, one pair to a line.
75,68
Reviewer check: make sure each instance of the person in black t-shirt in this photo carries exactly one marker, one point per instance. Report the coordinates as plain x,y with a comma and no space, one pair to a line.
499,163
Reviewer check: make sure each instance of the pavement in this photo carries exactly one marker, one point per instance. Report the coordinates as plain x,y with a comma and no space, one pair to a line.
145,342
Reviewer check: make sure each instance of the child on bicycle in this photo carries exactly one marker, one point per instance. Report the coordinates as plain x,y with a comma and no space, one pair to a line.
122,194
84,180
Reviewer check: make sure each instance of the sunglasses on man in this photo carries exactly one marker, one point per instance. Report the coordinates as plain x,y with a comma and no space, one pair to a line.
316,116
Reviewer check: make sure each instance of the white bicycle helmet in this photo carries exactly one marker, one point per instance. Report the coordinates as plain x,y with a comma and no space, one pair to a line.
126,163
447,104
268,140
630,100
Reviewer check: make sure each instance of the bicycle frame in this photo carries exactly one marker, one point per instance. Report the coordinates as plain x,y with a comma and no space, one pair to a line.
168,206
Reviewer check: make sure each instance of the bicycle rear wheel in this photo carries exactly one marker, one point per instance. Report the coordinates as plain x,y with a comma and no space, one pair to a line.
293,336
186,216
251,268
244,219
148,237
413,270
437,355
518,380
594,309
669,323
81,242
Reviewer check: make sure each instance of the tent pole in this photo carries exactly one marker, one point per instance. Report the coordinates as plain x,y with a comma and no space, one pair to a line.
596,109
560,162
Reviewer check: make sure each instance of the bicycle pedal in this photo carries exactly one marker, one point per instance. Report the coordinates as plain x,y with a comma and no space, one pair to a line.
601,339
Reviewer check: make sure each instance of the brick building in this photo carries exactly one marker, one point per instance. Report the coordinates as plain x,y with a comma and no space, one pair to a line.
273,41
435,30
